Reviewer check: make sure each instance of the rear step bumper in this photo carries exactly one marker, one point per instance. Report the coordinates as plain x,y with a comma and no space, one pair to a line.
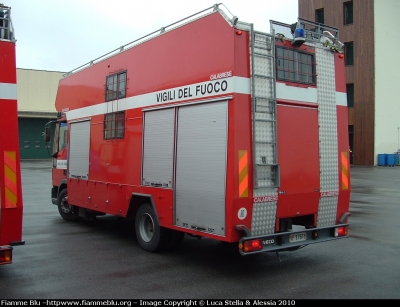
291,240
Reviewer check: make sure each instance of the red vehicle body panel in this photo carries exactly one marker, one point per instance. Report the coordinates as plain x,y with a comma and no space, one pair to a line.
161,63
299,160
11,204
108,166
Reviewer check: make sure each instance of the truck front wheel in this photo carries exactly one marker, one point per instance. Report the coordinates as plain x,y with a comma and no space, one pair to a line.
150,235
64,208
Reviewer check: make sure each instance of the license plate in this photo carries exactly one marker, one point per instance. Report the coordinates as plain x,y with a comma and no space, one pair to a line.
297,237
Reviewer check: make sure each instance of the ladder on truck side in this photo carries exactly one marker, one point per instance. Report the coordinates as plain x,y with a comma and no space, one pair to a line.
263,90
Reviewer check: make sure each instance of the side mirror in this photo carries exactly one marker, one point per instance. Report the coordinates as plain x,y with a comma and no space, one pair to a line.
47,135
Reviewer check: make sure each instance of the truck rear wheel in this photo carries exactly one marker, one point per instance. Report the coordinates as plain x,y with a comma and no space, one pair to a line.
150,235
64,208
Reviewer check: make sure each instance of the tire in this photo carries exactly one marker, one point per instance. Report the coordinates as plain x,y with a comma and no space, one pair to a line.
150,235
64,208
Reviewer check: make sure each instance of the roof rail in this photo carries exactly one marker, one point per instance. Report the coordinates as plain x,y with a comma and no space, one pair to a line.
138,41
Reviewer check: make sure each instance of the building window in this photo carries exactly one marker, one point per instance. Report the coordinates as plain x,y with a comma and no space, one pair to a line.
319,16
351,142
348,12
114,125
295,66
116,86
349,53
350,95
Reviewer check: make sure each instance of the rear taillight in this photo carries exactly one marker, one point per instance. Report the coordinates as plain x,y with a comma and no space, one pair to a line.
5,257
251,245
341,231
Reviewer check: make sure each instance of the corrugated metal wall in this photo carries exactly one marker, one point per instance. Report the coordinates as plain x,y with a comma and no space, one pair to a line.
31,139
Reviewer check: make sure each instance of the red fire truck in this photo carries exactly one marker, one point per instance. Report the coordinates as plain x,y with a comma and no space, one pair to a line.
10,172
210,128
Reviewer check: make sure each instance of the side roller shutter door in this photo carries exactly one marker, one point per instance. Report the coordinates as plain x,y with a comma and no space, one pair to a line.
79,145
158,147
201,167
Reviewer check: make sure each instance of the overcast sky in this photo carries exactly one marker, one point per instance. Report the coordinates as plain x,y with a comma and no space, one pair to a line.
61,35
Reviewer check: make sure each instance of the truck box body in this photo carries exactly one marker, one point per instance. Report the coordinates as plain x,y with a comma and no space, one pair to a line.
11,205
208,124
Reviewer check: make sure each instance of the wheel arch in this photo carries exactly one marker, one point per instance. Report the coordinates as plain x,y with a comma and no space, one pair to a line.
62,185
138,199
56,190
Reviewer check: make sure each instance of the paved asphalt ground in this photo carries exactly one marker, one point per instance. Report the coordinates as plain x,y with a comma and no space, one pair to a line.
102,259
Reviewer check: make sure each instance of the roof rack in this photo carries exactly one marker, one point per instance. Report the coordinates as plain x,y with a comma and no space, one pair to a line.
6,28
313,32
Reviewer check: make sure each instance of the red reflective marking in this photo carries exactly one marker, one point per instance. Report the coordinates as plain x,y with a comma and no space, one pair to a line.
243,162
243,185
